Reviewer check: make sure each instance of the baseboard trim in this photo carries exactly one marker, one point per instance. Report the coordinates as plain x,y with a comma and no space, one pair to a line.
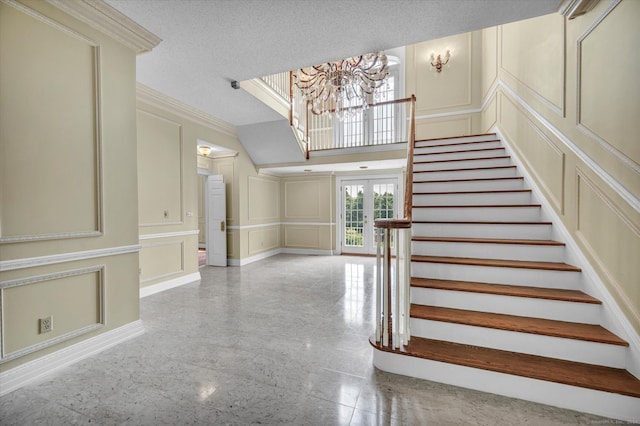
315,252
169,284
26,373
267,254
247,260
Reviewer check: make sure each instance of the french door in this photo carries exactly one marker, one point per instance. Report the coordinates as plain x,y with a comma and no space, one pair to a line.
364,201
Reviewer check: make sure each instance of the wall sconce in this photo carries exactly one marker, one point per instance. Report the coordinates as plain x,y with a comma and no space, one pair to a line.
439,63
204,150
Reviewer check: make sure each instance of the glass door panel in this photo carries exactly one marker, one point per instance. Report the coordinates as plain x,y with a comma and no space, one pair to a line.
363,202
354,217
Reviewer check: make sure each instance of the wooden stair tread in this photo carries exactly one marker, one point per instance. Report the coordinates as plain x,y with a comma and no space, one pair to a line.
562,329
524,264
457,152
471,179
464,170
506,290
455,137
441,206
489,241
483,222
486,191
606,379
501,157
455,144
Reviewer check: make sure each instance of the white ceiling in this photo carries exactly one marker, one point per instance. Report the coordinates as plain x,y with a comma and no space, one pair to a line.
209,43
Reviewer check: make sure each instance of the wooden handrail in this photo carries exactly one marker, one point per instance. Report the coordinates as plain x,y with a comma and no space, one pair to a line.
408,188
353,108
291,100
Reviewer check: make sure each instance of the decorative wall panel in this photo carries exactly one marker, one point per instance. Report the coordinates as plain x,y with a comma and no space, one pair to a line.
161,260
263,239
50,129
544,159
303,237
614,247
444,127
532,53
302,200
450,88
263,199
160,186
26,300
600,86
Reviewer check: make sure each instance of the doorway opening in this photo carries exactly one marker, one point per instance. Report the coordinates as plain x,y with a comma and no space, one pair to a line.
360,203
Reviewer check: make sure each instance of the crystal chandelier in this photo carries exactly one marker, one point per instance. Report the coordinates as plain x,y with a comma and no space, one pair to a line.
341,85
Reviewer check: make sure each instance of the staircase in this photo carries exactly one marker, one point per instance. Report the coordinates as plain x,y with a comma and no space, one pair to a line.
494,306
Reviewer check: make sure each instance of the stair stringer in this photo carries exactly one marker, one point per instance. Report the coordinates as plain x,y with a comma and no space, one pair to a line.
612,317
556,394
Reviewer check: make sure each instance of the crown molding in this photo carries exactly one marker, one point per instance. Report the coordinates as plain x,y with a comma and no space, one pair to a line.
105,18
574,8
167,103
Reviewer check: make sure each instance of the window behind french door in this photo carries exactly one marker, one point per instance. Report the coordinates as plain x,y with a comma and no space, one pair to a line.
364,201
374,126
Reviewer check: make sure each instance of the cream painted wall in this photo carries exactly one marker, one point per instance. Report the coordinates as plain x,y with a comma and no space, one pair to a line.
555,78
308,212
68,181
168,182
447,103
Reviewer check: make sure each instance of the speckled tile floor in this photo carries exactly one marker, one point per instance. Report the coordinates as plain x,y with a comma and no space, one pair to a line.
281,341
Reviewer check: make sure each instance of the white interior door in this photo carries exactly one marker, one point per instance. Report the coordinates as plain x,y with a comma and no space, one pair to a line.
216,221
364,201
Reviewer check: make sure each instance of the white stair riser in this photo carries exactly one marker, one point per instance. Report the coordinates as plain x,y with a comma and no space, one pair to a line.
498,275
466,174
559,310
456,140
484,198
533,344
536,253
550,393
465,164
465,147
472,230
470,185
446,155
482,214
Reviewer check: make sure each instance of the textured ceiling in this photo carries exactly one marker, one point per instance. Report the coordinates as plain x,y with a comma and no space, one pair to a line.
208,43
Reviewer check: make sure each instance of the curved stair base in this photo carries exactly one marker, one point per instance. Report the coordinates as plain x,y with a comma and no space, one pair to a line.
560,395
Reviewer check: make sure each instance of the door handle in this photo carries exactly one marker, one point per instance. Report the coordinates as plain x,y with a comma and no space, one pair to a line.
222,225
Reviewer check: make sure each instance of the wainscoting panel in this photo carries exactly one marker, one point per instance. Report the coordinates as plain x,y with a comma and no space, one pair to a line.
545,160
74,299
161,260
303,200
532,54
63,98
160,166
614,247
444,127
263,199
489,59
263,239
598,87
303,236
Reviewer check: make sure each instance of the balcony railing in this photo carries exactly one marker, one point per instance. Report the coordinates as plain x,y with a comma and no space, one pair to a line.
375,124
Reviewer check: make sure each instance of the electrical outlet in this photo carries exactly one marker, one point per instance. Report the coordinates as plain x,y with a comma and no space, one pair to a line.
46,324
